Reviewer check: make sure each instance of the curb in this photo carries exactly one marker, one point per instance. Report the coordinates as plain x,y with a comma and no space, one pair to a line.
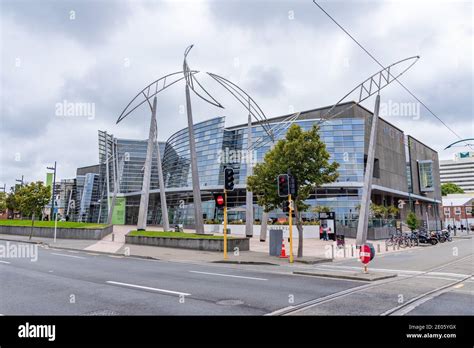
83,250
23,241
343,276
246,262
313,262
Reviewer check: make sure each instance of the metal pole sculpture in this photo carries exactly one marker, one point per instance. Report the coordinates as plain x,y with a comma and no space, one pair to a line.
161,182
249,194
144,198
372,85
193,84
363,222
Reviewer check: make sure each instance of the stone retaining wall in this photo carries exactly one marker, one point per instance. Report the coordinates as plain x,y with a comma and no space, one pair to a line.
190,243
61,233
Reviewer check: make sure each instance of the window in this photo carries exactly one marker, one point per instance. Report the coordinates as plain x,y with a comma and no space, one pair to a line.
457,210
425,175
446,211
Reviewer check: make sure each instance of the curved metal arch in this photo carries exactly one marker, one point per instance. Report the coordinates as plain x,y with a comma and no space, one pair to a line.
149,92
376,82
190,79
459,141
246,100
380,80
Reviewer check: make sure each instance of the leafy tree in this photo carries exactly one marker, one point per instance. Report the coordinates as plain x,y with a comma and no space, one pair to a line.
450,187
3,201
392,211
32,198
412,221
11,202
321,209
305,156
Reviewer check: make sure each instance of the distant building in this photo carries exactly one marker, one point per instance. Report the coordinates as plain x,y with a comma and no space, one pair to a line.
459,171
457,209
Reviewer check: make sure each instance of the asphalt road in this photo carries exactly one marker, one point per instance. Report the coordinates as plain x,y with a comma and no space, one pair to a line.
80,283
433,280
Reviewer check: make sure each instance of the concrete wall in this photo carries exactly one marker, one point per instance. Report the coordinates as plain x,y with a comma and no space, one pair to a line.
373,233
61,233
309,231
190,243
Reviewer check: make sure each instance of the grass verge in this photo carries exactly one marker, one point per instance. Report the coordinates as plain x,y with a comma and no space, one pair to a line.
170,234
61,224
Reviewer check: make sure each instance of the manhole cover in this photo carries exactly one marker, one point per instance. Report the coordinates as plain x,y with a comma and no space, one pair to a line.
102,312
230,302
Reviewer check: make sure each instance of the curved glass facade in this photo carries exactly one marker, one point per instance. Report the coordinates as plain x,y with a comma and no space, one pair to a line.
217,147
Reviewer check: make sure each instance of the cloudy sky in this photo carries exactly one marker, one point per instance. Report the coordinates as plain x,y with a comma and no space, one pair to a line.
287,54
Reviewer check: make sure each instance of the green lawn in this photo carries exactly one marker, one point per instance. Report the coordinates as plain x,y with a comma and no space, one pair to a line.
61,224
174,235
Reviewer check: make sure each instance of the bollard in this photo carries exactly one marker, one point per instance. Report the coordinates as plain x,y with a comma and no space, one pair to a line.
344,251
386,247
393,246
113,237
352,250
378,248
332,250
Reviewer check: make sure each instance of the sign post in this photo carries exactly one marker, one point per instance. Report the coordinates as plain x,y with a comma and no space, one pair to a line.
290,227
225,224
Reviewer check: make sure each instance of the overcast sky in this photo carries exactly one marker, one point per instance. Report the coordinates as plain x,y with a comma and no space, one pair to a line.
286,54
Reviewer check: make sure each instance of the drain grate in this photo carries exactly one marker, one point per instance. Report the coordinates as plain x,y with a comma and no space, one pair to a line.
104,312
230,302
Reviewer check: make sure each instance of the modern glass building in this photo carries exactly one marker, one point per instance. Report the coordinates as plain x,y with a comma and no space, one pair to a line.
396,173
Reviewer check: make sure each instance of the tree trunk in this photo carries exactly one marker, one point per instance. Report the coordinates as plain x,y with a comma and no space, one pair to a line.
299,226
32,224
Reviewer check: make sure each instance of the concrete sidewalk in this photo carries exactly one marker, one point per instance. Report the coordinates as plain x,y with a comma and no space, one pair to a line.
315,250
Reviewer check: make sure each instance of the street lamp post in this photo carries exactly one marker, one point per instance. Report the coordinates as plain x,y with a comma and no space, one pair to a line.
54,189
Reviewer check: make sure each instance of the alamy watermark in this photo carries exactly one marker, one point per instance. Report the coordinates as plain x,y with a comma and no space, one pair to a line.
19,250
75,109
237,156
398,109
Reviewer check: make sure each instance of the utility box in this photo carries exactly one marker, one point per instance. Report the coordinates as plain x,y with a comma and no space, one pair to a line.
276,239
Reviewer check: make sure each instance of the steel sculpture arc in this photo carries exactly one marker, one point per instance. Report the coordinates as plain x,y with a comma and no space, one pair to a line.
372,85
459,141
151,90
190,79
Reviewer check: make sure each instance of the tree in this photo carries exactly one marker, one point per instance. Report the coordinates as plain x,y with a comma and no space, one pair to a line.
412,221
11,202
3,201
305,156
32,198
321,209
392,211
450,187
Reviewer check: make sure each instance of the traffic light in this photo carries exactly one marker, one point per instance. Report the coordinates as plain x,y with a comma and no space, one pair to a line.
219,198
229,179
293,186
283,185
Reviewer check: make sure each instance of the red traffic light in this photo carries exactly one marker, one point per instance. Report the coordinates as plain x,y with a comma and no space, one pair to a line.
219,200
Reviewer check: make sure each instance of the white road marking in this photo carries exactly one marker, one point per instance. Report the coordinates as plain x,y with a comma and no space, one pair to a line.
149,288
76,257
72,251
341,268
5,262
116,257
228,275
